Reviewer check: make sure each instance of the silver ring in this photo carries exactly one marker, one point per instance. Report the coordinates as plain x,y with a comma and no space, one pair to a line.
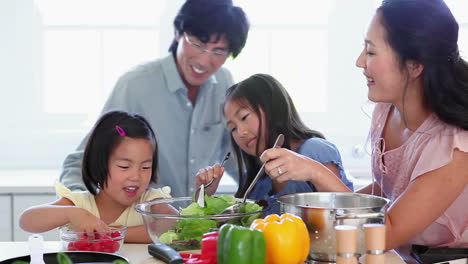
279,171
348,255
375,252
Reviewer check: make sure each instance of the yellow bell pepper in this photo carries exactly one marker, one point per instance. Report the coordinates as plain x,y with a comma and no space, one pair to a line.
287,238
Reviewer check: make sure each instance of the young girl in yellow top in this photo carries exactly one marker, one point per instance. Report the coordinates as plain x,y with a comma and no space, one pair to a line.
119,162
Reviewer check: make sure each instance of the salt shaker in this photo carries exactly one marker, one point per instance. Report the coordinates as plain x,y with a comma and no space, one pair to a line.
375,243
36,248
346,244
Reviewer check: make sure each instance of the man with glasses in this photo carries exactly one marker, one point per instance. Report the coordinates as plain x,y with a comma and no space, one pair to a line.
181,95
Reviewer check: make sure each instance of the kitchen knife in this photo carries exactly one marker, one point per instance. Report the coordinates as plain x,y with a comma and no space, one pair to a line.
165,253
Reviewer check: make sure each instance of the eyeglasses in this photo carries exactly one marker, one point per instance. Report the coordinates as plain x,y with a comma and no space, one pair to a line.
221,54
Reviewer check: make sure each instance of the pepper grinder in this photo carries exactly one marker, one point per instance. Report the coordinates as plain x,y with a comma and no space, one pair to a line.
375,243
346,244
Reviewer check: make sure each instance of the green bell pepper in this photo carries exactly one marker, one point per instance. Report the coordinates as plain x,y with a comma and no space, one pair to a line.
237,244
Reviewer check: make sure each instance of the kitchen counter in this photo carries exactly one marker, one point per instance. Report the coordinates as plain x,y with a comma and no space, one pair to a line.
136,253
26,181
18,181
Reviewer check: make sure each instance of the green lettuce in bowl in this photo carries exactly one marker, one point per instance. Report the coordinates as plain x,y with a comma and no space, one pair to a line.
184,230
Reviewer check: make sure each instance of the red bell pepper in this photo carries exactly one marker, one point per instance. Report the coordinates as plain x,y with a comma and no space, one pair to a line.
209,246
208,251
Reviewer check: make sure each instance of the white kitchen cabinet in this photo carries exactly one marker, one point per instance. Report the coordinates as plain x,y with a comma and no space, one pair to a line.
23,201
5,218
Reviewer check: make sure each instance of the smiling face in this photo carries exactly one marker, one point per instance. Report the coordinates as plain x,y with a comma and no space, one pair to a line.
244,123
130,168
196,65
385,78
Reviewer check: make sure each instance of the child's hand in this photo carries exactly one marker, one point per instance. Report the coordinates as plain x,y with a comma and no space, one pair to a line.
82,220
205,175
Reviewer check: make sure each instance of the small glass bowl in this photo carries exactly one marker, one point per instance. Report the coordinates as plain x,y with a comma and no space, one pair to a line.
109,242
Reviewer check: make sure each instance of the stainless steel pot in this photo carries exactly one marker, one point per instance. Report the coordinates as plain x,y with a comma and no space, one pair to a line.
321,211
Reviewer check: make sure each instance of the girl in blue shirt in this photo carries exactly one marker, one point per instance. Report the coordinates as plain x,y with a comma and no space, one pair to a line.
257,110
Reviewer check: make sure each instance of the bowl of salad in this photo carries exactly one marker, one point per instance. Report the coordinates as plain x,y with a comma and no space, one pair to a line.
184,230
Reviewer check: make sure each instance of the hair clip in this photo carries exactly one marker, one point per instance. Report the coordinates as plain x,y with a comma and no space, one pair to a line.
120,130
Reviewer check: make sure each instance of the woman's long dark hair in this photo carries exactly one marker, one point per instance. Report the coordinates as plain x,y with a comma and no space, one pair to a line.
262,91
426,31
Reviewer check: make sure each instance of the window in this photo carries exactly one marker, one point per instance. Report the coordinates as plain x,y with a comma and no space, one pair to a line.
66,58
458,8
96,43
290,46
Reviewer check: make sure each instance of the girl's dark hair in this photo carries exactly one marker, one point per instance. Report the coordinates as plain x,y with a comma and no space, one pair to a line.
262,91
425,31
204,18
105,137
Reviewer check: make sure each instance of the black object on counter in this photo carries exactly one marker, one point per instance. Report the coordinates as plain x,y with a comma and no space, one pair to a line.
424,254
75,256
165,253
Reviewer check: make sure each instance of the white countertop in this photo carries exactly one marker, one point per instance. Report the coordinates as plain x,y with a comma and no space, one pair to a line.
136,253
41,181
27,181
19,181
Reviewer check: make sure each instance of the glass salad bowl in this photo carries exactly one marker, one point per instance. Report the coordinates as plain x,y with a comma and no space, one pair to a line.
110,241
184,229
